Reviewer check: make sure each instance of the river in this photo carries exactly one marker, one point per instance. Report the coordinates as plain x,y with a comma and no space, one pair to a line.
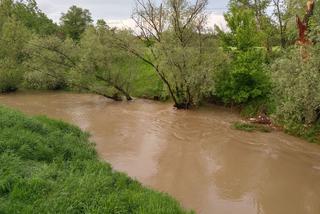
193,155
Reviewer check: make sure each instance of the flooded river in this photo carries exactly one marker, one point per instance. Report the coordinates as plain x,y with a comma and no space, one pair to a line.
193,155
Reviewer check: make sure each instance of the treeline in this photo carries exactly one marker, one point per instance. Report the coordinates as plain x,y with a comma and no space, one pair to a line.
255,64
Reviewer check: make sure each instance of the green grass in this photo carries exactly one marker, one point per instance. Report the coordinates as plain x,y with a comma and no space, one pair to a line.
48,166
147,84
249,127
309,132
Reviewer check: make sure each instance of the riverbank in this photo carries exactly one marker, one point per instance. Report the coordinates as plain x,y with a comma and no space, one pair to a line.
48,166
195,156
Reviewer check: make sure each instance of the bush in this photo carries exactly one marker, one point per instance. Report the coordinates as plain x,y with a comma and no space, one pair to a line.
13,37
10,77
40,80
297,91
297,86
245,80
45,67
48,166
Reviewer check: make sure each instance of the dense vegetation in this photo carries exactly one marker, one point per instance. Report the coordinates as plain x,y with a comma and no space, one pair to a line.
256,64
48,166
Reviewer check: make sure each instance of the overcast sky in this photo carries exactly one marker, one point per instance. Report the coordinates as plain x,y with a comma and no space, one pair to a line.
118,12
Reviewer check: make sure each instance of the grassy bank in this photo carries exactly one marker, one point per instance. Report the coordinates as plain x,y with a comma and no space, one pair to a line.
249,127
47,166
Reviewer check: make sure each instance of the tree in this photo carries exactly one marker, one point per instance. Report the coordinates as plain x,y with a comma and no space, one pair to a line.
49,62
280,8
28,13
297,86
6,11
92,64
75,22
173,41
244,33
103,64
13,38
245,80
33,18
314,25
292,9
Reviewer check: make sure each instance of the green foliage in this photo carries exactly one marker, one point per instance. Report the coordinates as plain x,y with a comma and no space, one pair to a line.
33,18
75,22
258,106
13,38
17,22
245,80
49,166
101,61
243,32
174,41
10,76
249,127
314,24
49,61
293,8
27,13
147,84
297,86
309,132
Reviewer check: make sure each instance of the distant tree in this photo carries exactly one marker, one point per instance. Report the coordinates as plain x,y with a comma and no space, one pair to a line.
244,33
102,24
75,22
280,8
28,13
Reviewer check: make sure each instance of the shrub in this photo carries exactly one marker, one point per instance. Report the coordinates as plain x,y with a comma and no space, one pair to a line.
297,86
245,80
10,76
296,76
13,36
40,80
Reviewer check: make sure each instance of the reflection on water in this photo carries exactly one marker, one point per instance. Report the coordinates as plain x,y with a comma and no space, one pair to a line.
192,155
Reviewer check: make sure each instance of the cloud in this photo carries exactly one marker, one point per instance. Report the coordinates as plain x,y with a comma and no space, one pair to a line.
100,9
122,23
117,12
213,19
217,19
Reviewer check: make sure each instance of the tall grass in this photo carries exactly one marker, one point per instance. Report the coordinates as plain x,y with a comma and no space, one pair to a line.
48,166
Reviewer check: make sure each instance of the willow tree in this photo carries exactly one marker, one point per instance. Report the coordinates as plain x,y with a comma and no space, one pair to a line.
92,64
176,45
104,64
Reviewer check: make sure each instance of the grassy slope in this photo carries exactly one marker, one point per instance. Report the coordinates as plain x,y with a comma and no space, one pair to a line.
48,166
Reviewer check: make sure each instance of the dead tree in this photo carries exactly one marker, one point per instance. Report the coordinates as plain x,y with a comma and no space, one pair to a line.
303,24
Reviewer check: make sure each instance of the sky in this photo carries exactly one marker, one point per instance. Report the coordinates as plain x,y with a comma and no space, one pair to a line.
117,12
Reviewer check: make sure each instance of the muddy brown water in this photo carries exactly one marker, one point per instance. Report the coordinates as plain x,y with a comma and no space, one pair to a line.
193,155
